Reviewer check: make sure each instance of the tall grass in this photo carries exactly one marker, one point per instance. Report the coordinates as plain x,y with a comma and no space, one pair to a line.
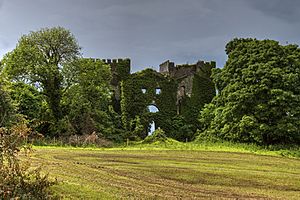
163,143
277,150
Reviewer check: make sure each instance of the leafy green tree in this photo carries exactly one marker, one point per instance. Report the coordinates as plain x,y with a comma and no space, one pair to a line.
39,59
88,96
7,109
258,94
28,100
180,129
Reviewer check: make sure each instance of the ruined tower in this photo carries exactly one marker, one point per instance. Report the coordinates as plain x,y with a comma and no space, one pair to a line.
120,69
184,75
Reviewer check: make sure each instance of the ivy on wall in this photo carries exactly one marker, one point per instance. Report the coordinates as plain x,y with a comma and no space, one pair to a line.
120,72
134,101
203,92
123,69
139,90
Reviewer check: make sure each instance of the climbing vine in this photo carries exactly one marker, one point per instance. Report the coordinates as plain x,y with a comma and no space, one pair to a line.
139,91
177,115
123,69
203,92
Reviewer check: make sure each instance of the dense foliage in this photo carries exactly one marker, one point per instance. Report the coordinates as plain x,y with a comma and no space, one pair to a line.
39,58
259,94
45,81
87,99
181,126
202,93
55,88
135,102
7,109
28,100
17,179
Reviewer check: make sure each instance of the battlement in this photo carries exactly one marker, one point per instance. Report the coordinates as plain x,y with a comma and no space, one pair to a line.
184,70
181,77
119,60
166,67
112,61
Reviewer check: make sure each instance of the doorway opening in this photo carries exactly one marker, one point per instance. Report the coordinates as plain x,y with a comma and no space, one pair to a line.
152,109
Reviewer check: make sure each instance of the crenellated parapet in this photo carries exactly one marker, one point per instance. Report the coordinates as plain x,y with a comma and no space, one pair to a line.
186,75
120,69
116,61
185,70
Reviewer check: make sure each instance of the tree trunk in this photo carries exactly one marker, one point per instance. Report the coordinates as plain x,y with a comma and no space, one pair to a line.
53,92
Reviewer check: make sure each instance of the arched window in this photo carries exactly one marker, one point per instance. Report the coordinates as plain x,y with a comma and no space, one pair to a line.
153,109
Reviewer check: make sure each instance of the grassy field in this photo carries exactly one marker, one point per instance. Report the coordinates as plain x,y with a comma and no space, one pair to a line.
159,173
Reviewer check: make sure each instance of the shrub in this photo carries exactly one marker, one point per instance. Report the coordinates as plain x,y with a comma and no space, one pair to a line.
17,181
88,140
181,130
159,136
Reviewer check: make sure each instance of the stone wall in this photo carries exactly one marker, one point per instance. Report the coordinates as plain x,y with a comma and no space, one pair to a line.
184,89
184,76
120,69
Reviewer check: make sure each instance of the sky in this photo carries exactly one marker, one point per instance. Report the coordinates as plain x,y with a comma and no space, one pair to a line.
150,32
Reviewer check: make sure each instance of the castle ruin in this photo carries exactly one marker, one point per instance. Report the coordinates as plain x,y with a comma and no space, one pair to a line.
176,90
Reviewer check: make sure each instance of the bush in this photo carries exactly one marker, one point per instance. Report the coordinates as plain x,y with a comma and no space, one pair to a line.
88,140
258,95
180,129
159,137
7,109
17,181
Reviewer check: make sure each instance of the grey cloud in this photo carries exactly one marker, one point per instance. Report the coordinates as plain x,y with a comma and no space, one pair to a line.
287,10
4,43
150,32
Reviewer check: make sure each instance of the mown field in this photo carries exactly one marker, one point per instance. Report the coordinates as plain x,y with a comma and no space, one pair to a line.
133,173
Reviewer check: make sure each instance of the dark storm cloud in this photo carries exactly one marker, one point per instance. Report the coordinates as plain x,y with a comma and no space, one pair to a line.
287,10
149,32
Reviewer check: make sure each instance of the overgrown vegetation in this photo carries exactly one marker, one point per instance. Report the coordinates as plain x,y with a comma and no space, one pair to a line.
135,103
86,140
259,95
74,101
63,95
203,92
52,86
158,137
17,179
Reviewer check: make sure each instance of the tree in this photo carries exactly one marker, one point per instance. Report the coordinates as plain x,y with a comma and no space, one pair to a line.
259,94
28,100
180,129
39,58
7,110
88,95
